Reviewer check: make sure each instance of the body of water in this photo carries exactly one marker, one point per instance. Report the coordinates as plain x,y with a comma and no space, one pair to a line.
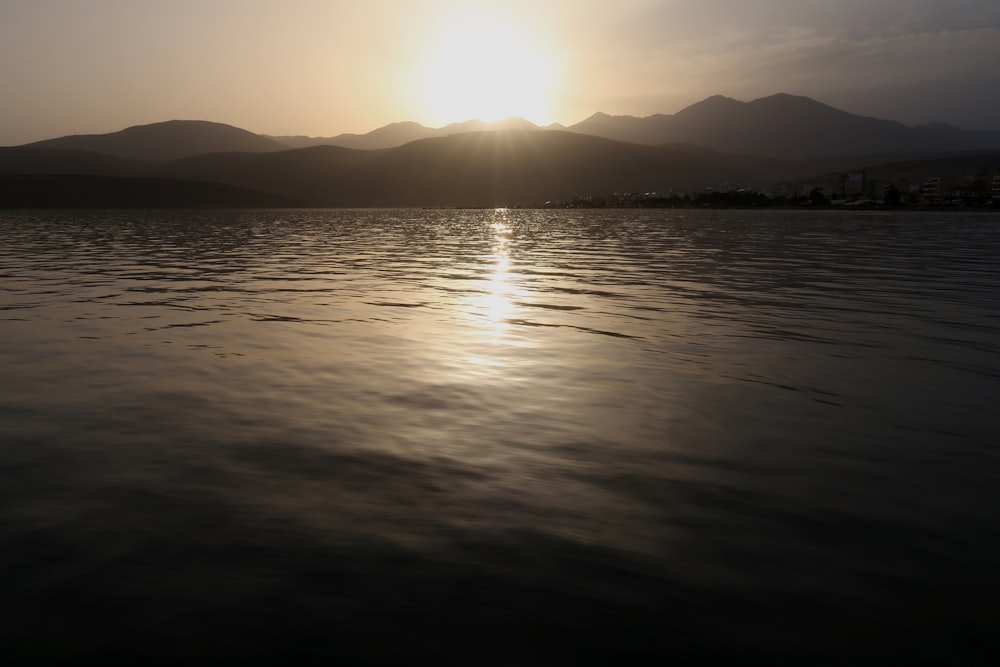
499,437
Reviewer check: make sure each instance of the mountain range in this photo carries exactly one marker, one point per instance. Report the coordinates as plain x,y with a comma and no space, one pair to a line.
716,141
397,134
782,125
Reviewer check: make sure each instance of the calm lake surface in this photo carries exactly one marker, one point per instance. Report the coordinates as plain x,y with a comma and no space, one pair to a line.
499,437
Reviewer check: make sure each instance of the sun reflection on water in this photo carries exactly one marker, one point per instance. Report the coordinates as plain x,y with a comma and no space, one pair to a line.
498,303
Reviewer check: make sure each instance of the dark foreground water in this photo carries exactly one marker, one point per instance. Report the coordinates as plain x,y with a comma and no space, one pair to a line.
499,437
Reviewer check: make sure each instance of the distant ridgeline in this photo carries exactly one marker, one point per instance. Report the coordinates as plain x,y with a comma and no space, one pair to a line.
719,152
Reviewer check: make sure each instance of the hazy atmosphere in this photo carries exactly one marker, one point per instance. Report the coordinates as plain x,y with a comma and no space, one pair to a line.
499,333
326,67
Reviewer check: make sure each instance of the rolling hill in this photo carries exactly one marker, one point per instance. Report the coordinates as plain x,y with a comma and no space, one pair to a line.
514,167
167,141
397,134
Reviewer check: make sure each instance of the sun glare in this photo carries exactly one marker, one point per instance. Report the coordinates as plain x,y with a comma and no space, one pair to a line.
482,66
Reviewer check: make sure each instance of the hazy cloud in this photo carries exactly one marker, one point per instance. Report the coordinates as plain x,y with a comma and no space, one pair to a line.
328,66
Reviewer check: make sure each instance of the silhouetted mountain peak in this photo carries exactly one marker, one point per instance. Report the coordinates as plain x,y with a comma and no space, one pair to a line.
477,125
474,125
514,123
785,98
713,104
600,116
167,140
179,123
401,128
783,103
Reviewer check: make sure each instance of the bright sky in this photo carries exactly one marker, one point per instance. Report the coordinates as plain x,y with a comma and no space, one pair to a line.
323,67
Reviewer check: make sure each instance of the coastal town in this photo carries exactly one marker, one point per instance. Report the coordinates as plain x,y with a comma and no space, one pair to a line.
975,188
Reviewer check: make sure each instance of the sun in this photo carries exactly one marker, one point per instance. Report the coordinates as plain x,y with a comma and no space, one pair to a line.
481,65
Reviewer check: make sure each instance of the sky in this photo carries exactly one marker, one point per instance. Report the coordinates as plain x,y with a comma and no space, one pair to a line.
324,67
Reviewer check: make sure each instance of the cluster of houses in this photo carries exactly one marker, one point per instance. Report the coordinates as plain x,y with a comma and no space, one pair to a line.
978,187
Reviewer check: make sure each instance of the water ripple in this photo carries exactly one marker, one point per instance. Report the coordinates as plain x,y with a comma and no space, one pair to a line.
750,436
